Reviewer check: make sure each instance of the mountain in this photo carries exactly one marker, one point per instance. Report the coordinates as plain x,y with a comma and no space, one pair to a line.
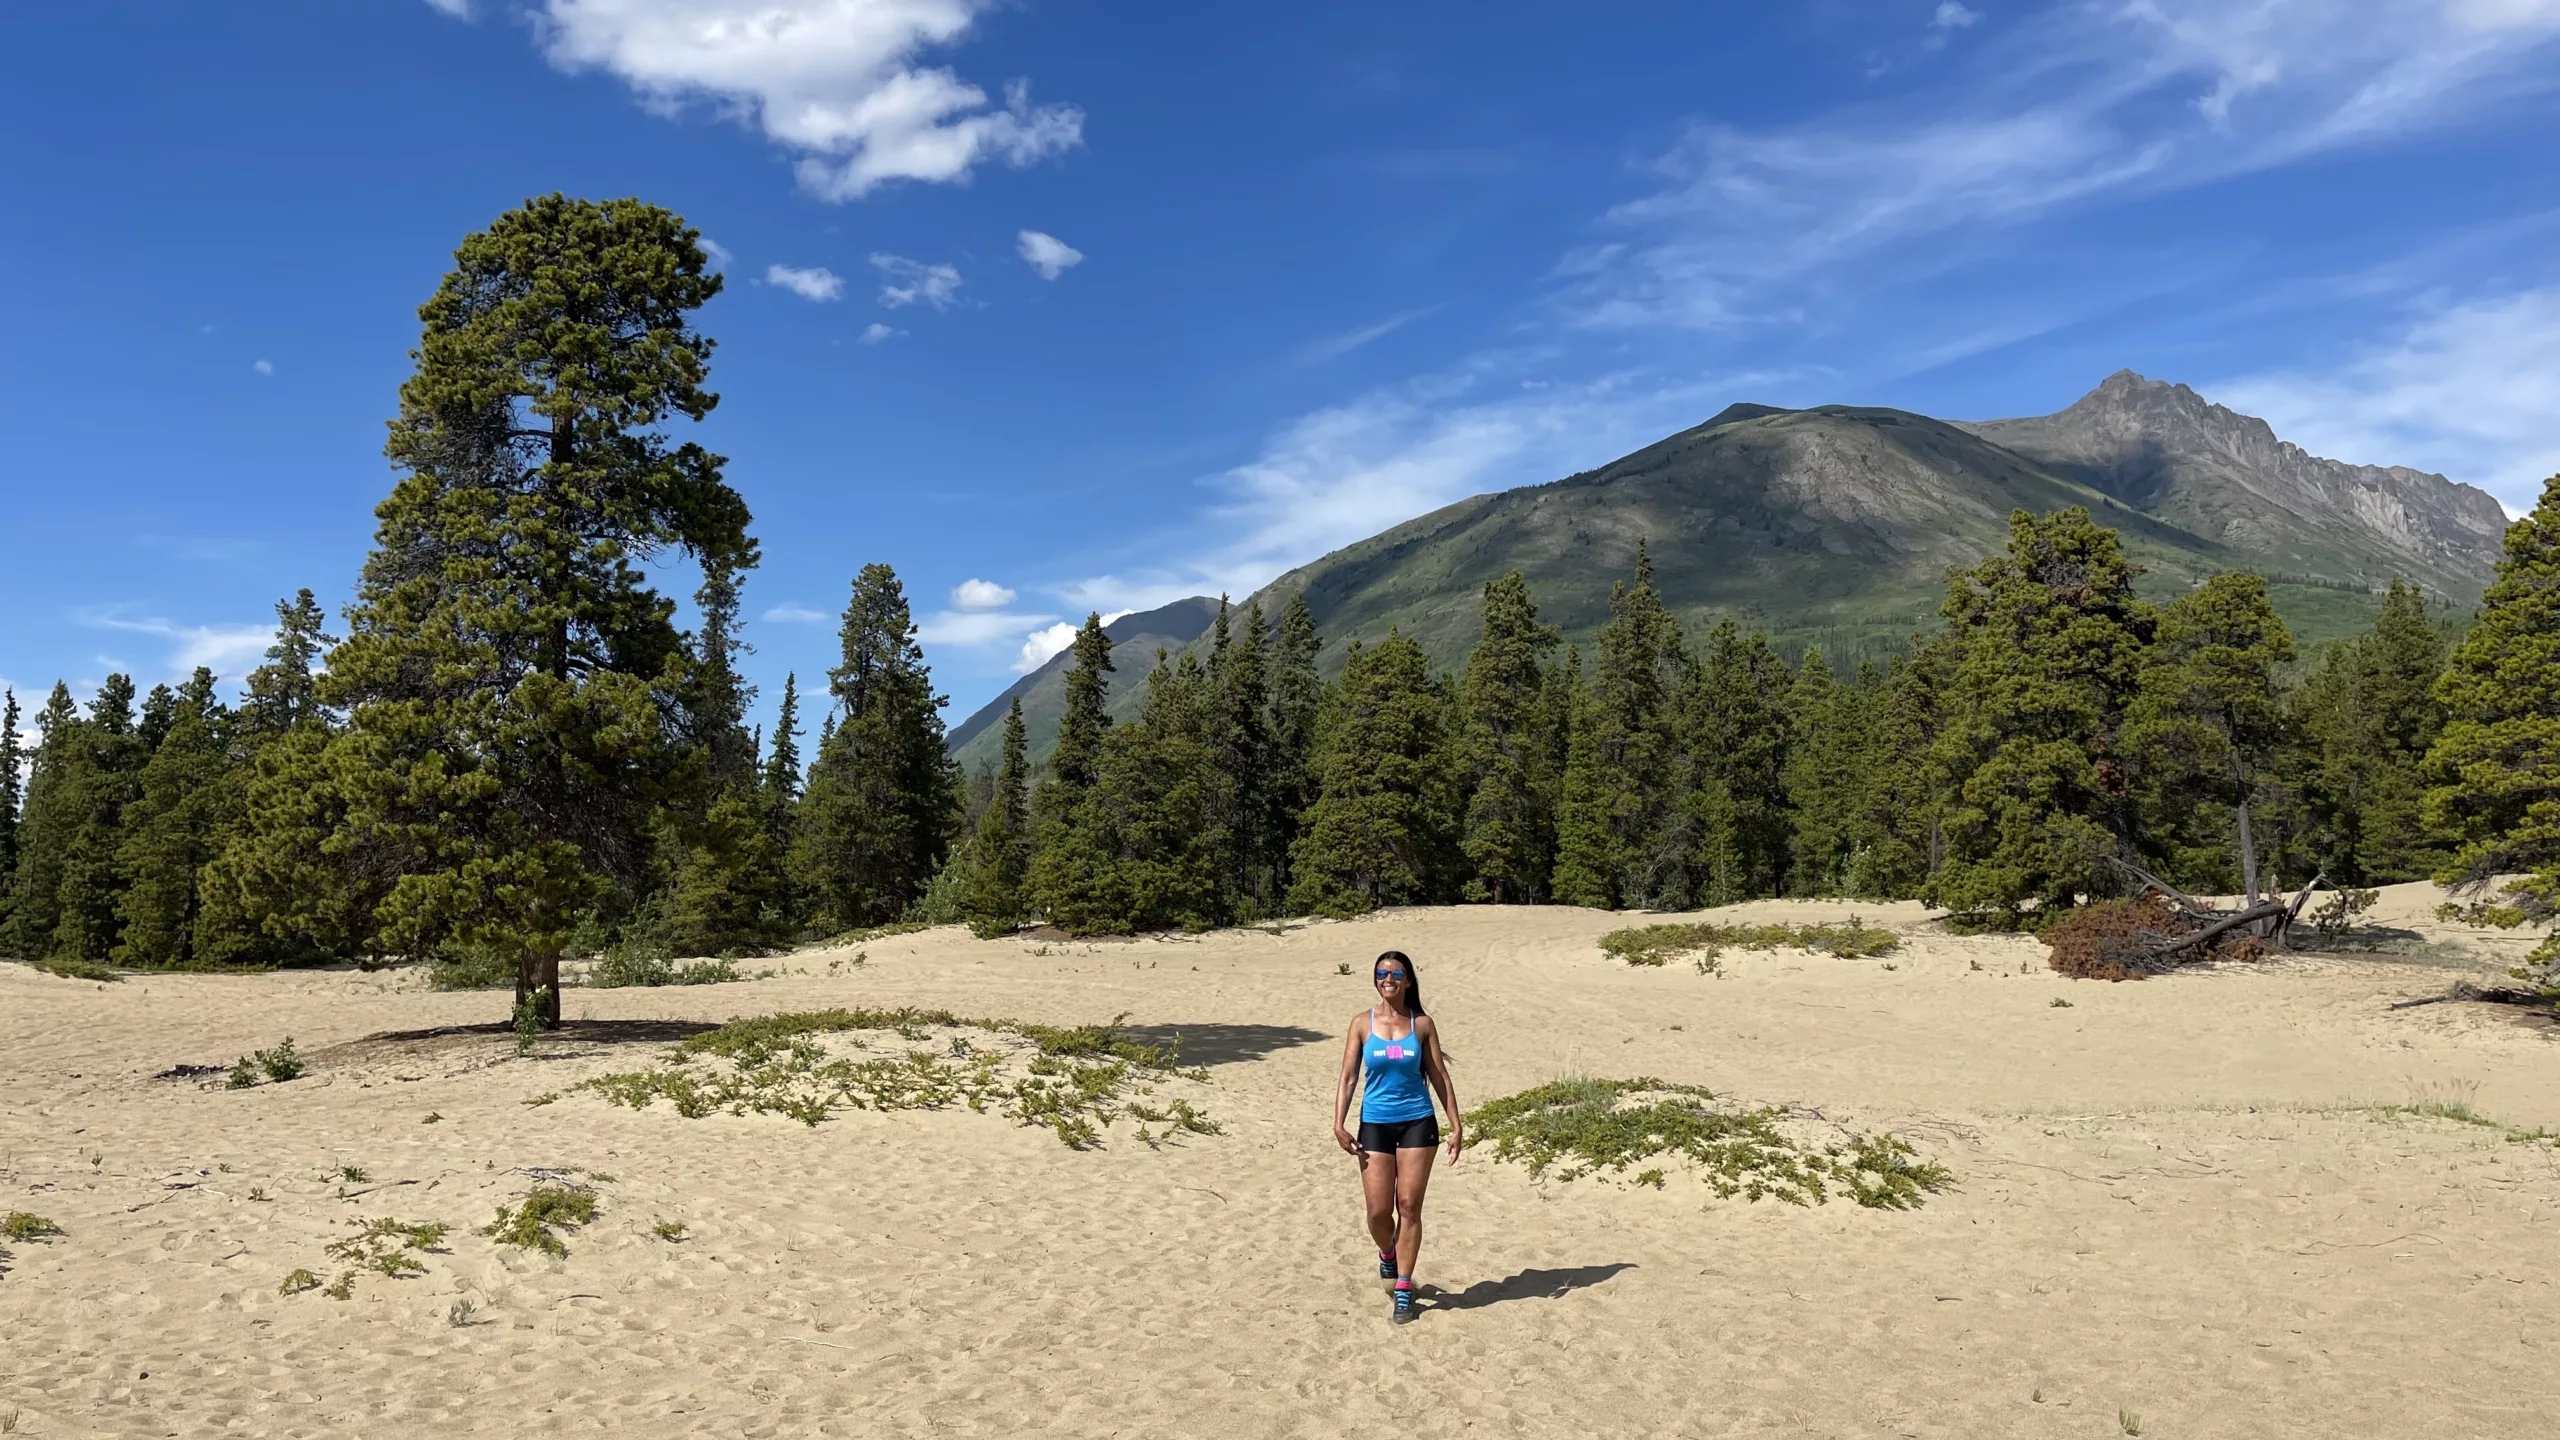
1836,526
2169,452
1135,638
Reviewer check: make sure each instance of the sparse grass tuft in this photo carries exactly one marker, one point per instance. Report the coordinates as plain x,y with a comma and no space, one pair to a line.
2129,1422
297,1282
1661,944
1577,1127
70,968
352,1174
281,1063
533,1222
18,1225
462,1313
670,1231
2057,1003
637,966
433,1117
244,1073
342,1288
1076,1079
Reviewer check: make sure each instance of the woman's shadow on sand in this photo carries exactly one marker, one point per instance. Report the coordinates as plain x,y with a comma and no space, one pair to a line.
1527,1285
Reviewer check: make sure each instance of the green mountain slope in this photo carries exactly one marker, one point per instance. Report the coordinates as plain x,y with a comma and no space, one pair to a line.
1135,638
1836,526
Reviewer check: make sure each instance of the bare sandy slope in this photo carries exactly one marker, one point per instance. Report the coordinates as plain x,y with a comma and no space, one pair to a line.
2181,1198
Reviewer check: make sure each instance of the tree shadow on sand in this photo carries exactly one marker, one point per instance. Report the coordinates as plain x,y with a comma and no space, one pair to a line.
1527,1285
1215,1044
387,1044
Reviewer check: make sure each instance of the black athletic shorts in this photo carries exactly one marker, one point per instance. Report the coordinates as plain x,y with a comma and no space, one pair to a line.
1419,1134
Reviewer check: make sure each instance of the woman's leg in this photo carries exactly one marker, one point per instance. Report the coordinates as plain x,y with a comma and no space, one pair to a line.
1378,1189
1412,1176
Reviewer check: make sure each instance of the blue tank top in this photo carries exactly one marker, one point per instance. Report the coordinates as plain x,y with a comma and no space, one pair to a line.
1395,1091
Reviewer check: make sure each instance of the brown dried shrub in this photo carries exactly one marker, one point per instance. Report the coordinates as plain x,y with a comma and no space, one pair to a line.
2121,940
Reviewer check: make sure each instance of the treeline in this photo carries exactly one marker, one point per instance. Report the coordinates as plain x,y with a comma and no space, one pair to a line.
513,750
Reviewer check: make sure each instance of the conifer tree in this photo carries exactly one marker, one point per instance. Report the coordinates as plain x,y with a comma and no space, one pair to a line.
2495,771
283,693
1297,702
1383,829
46,819
12,799
883,798
726,895
1614,850
1147,822
1894,826
994,897
1239,739
1583,874
103,779
183,813
1070,868
2207,724
2047,642
508,673
2368,715
781,785
717,699
1734,737
1509,829
1826,769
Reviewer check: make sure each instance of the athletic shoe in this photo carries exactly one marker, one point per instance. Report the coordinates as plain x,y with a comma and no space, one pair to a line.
1387,1266
1404,1303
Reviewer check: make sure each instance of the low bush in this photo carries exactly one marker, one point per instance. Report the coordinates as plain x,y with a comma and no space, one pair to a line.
643,965
73,968
21,1226
1076,1080
472,967
1579,1127
1661,944
534,1222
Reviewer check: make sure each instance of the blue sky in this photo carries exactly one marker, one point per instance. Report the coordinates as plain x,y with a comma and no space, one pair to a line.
1058,307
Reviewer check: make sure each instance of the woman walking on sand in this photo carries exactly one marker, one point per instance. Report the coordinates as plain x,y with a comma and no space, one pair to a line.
1399,1048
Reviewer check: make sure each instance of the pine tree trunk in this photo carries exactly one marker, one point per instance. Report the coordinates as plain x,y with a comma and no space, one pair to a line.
2248,856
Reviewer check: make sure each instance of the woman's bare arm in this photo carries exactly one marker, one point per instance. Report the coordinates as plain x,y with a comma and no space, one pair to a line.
1349,1080
1436,1067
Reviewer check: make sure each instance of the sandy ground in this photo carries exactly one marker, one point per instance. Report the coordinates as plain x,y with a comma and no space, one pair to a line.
2184,1200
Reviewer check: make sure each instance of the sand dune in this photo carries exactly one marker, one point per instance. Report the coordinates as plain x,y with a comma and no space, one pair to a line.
2186,1199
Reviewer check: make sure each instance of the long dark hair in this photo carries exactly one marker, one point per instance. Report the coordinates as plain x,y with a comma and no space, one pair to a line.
1412,979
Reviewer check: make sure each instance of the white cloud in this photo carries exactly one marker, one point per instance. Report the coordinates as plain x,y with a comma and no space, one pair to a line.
792,612
976,594
230,651
972,629
875,332
1048,254
912,282
1334,347
1953,15
2081,102
837,82
817,283
1347,472
458,9
264,367
1040,644
2468,390
715,252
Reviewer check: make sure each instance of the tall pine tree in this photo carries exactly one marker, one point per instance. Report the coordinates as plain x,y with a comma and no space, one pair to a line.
994,899
2207,727
2368,716
184,812
2048,641
1503,763
2495,771
1621,785
1383,829
1825,774
47,818
104,778
883,798
1070,868
508,673
12,800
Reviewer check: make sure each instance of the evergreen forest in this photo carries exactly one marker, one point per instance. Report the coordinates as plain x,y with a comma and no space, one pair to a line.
505,747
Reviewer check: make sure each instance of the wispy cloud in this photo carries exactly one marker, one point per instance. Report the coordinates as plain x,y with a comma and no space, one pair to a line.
792,612
1334,347
1349,471
816,283
1047,254
976,629
875,332
715,252
912,282
840,83
2467,389
458,9
264,367
1954,15
2086,100
229,651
